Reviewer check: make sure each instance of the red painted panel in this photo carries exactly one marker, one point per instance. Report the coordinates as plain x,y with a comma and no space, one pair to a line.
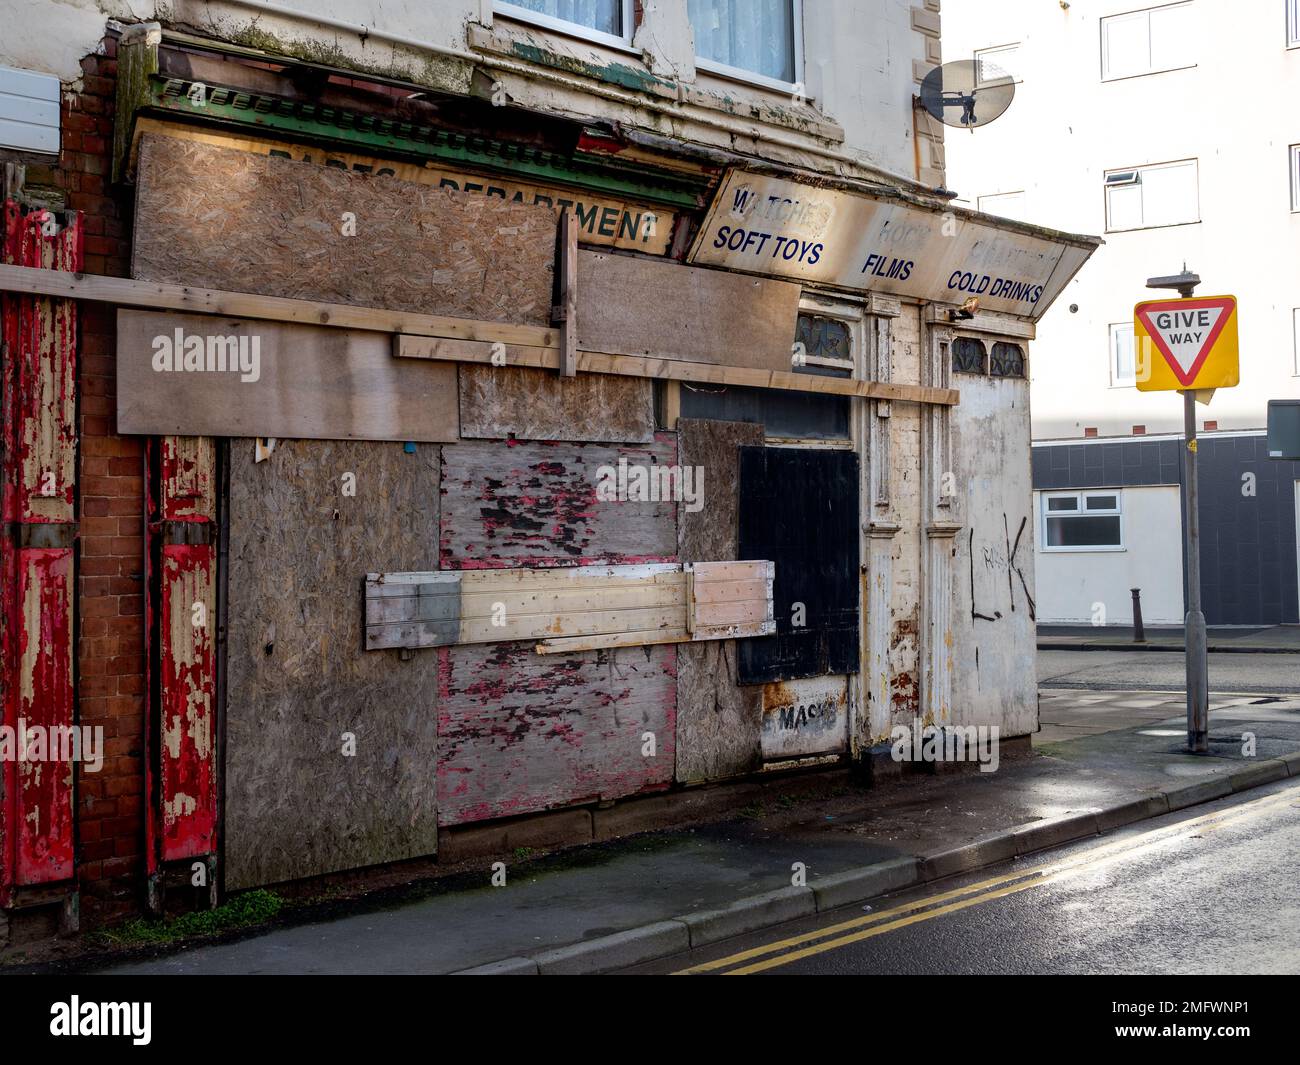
187,793
37,487
42,717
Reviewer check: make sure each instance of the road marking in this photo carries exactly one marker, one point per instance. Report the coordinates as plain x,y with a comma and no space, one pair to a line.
983,891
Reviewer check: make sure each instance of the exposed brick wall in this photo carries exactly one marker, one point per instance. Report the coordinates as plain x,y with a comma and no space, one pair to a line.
110,653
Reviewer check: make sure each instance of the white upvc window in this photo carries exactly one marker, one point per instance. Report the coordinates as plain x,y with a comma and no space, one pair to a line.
992,64
1146,197
1295,174
759,41
1147,42
1295,340
1293,23
602,21
1004,205
29,111
1083,521
1123,356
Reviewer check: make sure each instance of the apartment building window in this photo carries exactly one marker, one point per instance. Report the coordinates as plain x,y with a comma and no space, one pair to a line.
991,64
1082,521
29,111
1004,204
1295,174
1147,42
1144,197
757,40
1293,23
604,21
1123,356
1295,340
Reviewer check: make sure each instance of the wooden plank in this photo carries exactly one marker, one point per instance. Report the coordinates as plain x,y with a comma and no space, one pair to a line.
198,376
731,599
157,295
648,638
548,358
662,309
572,600
525,346
581,623
717,719
567,272
535,504
520,732
596,577
504,402
247,222
297,803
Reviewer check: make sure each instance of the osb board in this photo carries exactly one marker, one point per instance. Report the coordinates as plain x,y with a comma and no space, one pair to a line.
718,723
501,402
635,306
291,381
298,678
511,505
520,732
233,220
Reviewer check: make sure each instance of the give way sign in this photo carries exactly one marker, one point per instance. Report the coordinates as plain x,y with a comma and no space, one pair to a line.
1186,344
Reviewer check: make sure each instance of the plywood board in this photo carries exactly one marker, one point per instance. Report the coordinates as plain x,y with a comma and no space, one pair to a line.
637,306
520,732
500,402
229,219
718,721
536,504
299,679
730,599
196,375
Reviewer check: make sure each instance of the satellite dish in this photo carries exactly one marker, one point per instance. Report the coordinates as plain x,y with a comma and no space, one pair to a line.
967,93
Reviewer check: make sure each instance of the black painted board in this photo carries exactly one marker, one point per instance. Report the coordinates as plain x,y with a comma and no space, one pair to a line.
799,508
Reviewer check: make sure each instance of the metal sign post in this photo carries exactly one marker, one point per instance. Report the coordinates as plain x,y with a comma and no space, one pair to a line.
1194,650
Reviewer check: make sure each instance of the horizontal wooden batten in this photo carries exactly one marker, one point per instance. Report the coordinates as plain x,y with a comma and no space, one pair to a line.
442,337
548,358
156,295
599,606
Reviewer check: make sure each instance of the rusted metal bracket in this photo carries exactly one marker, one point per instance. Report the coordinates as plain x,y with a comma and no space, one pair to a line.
41,534
186,532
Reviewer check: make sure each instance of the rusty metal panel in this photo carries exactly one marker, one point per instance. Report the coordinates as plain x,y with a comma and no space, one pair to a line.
805,717
520,732
412,610
187,776
508,504
38,372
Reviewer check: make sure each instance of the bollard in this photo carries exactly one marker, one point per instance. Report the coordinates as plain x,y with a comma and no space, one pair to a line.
1139,634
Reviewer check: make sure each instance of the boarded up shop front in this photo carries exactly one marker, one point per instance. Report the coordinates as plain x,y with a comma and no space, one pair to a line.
455,584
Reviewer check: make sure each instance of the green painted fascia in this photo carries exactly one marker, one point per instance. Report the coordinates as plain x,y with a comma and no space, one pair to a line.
359,132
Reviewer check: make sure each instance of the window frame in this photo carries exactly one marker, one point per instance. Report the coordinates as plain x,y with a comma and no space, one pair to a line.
572,29
1081,496
753,77
1101,43
1295,341
1115,381
1293,24
1293,157
1015,78
1139,171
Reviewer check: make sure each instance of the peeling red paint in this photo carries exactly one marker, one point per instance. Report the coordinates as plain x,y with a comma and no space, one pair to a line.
36,599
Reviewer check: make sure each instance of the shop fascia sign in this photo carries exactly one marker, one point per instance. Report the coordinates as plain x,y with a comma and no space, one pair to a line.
779,228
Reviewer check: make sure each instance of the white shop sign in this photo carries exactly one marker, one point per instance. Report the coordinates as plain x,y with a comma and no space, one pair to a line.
778,228
805,717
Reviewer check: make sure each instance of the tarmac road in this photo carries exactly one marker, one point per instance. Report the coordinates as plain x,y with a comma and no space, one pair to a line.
1163,671
1209,890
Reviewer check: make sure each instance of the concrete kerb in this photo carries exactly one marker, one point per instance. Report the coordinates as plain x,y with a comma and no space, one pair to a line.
756,912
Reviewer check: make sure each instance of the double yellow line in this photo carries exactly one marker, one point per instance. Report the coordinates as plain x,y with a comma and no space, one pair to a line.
877,924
